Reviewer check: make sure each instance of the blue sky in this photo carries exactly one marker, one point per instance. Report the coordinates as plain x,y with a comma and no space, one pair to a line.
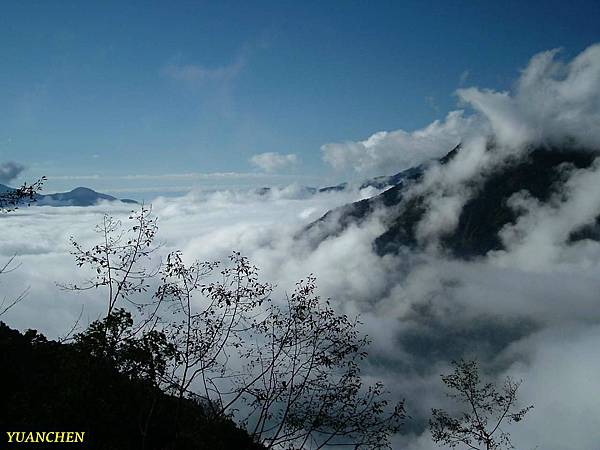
129,92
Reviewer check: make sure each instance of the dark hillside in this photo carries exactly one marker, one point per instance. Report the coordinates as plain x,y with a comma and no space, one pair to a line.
46,385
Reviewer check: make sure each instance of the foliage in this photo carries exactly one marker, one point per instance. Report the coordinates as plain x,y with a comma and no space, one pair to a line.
206,332
478,426
145,357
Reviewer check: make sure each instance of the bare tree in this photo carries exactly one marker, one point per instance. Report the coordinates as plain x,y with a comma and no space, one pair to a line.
10,201
486,409
289,373
210,320
309,392
8,303
119,259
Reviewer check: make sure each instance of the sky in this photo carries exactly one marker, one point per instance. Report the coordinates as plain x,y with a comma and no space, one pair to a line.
134,97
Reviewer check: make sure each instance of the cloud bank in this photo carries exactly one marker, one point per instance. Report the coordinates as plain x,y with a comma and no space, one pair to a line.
390,152
553,102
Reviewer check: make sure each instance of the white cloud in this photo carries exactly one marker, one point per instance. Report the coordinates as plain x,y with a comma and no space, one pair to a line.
385,153
207,225
553,101
271,161
538,238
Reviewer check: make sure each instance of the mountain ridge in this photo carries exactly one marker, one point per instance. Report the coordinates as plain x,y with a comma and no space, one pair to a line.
481,218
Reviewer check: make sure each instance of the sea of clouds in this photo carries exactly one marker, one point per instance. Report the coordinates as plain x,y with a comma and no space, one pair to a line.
531,311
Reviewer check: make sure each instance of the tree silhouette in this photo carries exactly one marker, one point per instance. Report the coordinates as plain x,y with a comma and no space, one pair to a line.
288,371
308,391
119,259
485,409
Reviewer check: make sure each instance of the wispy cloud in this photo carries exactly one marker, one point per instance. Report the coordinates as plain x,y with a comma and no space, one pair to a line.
430,100
199,73
271,161
464,76
213,86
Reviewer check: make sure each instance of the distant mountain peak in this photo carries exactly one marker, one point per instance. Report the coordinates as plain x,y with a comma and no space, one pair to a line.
80,196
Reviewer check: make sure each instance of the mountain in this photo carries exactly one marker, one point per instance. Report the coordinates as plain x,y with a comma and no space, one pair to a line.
382,182
482,217
336,188
80,196
303,191
337,220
